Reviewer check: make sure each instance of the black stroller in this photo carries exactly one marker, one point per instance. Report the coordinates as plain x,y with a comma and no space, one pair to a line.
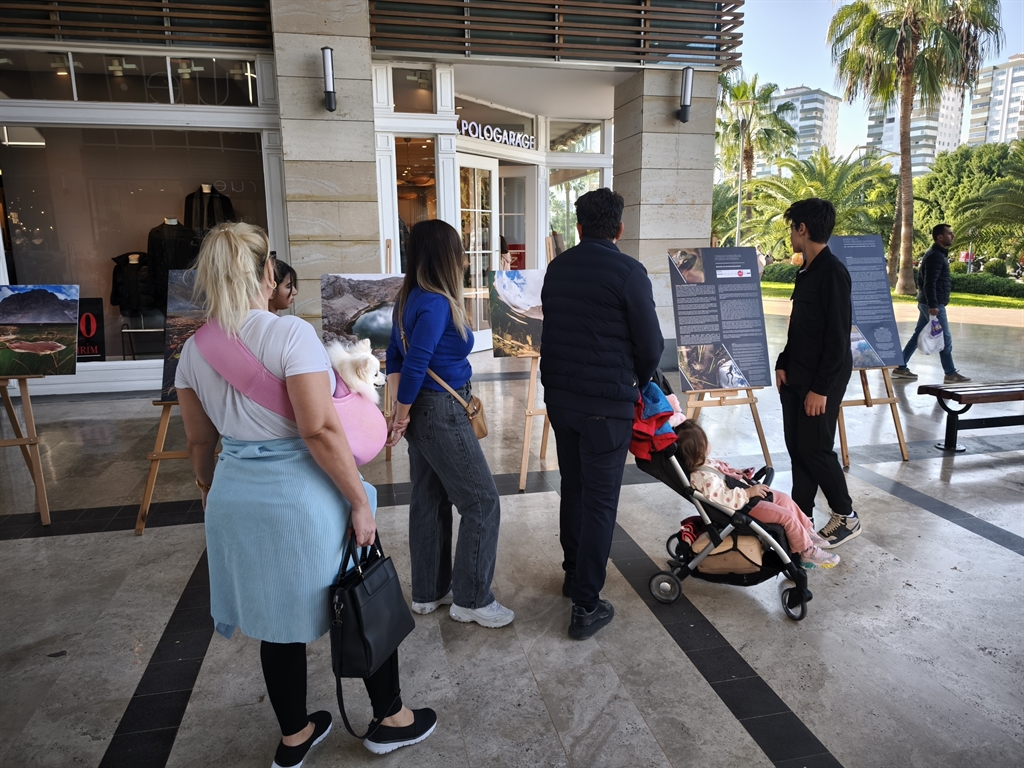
721,524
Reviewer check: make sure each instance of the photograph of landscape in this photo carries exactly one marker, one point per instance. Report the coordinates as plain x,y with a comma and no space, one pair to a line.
359,307
184,318
38,330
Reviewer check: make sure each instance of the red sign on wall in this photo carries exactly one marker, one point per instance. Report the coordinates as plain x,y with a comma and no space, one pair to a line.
91,345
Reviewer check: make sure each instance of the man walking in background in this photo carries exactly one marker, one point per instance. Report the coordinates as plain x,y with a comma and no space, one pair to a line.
934,284
601,342
813,370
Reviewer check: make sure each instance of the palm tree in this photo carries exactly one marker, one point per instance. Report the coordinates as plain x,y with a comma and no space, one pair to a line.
747,117
847,183
889,50
997,212
723,214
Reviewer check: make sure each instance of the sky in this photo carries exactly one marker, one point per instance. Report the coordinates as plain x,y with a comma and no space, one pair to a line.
784,43
65,292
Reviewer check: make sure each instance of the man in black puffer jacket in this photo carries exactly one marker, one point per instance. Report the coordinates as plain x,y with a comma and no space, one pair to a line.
601,343
932,297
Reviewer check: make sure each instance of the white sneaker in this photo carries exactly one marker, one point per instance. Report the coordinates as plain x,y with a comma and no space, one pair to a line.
494,615
424,608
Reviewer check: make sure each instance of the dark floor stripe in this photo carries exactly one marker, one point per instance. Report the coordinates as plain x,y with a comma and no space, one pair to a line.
948,512
774,727
147,730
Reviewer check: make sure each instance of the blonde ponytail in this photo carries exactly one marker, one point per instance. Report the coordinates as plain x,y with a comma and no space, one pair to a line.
229,271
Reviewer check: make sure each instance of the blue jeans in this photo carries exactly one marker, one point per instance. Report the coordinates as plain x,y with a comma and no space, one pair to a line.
447,466
946,354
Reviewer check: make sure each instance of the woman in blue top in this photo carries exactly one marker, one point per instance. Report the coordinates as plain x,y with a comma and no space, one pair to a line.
446,463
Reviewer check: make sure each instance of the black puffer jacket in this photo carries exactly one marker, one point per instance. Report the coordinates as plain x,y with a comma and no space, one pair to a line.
601,337
933,278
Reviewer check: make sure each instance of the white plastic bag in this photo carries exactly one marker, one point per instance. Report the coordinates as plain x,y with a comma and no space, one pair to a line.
930,340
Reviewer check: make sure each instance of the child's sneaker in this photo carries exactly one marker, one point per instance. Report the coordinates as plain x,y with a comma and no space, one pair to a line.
816,557
840,529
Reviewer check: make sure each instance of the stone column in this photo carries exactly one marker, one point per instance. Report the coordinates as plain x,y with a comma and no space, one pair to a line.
329,157
665,171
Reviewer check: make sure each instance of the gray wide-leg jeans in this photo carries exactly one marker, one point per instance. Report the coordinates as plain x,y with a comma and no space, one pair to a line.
448,467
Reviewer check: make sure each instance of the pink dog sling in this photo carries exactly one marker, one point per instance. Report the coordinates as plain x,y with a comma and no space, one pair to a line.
362,421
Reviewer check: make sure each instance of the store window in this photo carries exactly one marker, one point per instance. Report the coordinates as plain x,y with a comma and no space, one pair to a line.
566,186
214,82
574,136
36,75
417,186
513,222
113,210
413,90
138,79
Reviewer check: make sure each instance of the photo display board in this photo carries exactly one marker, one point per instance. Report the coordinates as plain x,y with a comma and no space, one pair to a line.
184,317
38,330
359,307
874,338
720,332
516,314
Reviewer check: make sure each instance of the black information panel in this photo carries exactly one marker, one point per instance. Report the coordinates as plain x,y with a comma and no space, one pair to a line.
719,319
874,339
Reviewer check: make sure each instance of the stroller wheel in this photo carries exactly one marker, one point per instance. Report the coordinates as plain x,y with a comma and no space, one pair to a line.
794,603
666,587
671,544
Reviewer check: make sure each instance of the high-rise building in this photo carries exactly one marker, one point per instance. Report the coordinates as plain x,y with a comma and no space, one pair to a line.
815,120
933,129
997,109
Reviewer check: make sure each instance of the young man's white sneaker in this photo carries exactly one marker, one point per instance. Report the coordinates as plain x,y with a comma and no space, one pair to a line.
424,608
494,615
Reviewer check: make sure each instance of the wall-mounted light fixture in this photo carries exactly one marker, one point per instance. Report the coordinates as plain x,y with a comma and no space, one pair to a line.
330,97
685,96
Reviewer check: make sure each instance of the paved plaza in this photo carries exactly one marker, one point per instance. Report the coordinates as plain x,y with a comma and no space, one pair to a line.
910,654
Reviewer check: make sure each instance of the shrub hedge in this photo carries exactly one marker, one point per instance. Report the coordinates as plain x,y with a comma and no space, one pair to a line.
995,267
987,285
780,272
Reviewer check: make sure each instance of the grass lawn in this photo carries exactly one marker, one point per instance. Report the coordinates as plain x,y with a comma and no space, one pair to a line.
785,290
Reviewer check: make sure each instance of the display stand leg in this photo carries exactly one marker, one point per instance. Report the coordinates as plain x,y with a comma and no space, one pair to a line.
760,430
697,400
155,457
844,449
891,397
531,412
27,440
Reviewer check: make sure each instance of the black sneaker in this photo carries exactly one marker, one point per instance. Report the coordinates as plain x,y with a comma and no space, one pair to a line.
567,584
292,757
387,739
585,623
839,530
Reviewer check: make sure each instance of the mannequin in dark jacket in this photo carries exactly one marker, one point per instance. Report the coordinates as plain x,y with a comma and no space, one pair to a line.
934,284
205,208
136,286
601,342
814,368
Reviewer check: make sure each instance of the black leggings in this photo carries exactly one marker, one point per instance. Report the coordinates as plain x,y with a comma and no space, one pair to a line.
284,669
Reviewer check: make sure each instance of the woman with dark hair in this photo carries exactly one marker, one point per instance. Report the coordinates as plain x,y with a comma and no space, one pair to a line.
286,495
286,287
446,463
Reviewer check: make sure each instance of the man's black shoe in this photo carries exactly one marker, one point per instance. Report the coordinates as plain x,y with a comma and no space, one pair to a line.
567,584
585,623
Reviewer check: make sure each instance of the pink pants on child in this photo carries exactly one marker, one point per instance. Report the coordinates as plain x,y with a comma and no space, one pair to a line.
784,511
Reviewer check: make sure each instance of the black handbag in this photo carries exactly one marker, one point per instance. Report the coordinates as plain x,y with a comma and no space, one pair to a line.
369,617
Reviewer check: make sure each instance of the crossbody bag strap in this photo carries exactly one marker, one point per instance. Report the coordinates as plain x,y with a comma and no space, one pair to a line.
242,370
434,376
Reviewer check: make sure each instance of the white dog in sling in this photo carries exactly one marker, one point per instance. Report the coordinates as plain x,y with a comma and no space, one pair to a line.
356,365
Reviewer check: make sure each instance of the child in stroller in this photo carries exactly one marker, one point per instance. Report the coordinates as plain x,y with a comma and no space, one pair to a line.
733,488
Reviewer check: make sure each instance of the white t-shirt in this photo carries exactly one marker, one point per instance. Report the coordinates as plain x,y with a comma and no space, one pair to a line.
287,346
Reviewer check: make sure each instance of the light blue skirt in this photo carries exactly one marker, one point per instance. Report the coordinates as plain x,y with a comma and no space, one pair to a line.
276,527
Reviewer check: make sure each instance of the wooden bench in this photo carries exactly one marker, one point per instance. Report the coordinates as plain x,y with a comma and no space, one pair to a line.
972,394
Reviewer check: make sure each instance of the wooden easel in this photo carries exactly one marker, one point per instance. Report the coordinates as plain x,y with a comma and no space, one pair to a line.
868,401
699,399
531,412
155,456
28,440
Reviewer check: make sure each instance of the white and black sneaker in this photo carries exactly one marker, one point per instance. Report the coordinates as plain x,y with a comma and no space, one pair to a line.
424,608
292,757
387,738
840,529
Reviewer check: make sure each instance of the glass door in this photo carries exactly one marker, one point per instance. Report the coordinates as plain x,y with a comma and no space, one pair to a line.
478,215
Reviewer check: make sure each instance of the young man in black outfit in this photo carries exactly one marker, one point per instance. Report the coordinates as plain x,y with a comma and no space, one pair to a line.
813,370
601,342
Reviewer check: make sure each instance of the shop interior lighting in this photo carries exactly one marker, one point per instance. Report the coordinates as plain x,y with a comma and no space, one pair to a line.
685,95
6,61
60,64
330,97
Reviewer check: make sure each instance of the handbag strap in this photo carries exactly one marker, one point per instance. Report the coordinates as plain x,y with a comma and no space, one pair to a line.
431,374
344,716
229,357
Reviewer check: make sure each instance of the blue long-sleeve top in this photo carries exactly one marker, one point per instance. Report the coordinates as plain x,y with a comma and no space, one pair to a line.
434,343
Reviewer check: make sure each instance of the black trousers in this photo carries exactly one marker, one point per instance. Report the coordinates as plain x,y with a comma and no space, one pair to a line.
591,460
810,441
284,669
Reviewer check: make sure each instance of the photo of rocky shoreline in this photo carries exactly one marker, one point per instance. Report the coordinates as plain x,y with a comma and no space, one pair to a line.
38,330
359,307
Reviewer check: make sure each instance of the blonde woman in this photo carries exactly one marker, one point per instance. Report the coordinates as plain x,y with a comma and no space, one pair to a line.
285,497
445,461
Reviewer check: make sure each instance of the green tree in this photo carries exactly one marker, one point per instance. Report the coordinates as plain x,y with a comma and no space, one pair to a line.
723,213
997,212
895,50
852,186
746,116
